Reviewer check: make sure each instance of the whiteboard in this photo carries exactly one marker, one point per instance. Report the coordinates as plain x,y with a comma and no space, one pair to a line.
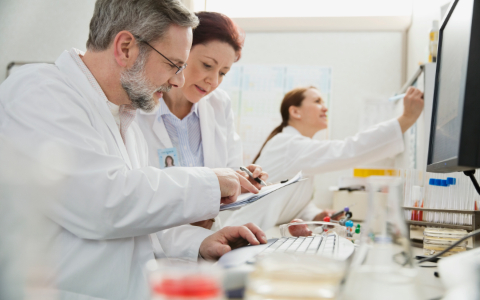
257,92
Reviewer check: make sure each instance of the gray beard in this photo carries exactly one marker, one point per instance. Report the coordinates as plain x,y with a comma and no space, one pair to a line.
138,88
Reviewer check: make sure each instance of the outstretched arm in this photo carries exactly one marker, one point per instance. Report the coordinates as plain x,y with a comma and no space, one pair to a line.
412,108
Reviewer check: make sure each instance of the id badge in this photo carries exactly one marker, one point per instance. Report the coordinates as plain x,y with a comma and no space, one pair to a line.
168,158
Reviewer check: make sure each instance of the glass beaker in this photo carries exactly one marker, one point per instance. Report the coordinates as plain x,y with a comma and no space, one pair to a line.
183,280
284,276
383,266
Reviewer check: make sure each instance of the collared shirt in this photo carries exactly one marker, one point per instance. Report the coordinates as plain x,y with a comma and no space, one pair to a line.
124,114
185,135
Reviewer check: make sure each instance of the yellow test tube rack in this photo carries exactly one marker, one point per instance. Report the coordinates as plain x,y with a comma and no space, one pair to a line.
375,172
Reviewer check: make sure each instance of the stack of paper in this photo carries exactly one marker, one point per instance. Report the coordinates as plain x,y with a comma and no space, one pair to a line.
247,198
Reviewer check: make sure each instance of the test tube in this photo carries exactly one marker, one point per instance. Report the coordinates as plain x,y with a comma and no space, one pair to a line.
450,203
438,185
428,198
456,200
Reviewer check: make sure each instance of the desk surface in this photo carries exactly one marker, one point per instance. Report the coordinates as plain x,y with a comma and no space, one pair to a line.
431,286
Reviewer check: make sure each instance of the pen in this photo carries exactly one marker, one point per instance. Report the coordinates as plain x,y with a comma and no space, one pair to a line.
251,176
345,210
397,97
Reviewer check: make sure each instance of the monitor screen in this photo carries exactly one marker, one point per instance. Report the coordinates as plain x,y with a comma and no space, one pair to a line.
451,82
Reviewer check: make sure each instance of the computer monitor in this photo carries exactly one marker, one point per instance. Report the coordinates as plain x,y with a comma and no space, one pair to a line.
455,129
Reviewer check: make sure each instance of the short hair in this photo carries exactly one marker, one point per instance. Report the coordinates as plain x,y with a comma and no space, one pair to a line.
148,19
218,27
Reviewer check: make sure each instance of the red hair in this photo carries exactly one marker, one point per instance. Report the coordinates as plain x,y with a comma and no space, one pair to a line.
218,27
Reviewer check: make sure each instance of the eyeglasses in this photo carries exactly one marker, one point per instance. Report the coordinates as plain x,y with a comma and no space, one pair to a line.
180,69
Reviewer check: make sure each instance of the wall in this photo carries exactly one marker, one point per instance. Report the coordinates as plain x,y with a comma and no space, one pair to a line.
424,12
364,65
38,31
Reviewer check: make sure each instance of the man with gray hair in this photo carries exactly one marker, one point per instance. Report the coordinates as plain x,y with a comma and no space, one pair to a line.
111,205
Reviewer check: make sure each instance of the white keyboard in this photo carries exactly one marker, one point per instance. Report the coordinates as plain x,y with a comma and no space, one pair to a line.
330,245
317,245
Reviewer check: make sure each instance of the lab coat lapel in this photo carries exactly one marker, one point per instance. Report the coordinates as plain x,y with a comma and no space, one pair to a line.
207,127
161,132
66,64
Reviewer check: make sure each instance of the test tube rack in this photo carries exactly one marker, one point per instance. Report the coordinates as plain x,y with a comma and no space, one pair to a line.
475,223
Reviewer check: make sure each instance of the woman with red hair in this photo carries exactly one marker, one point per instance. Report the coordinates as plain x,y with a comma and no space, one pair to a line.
196,121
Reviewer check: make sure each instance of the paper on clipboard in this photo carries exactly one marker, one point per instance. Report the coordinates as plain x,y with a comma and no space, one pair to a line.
247,198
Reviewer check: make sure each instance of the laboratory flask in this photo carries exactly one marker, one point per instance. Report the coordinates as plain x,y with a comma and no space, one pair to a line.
383,266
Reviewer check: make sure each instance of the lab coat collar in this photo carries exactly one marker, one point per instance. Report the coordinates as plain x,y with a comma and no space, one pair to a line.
291,130
205,113
164,110
159,127
77,78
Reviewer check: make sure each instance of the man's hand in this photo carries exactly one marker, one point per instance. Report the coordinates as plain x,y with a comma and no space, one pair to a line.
229,238
412,108
327,213
230,183
256,172
207,224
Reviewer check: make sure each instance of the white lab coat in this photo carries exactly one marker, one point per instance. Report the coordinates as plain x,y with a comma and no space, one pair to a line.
222,147
290,152
112,200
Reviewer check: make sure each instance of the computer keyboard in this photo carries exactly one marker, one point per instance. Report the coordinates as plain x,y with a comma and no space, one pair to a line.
239,263
312,245
330,245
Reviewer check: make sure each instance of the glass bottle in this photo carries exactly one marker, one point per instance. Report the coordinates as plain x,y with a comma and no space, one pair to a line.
383,266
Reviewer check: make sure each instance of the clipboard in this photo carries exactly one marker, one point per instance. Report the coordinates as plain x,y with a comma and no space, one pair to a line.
248,198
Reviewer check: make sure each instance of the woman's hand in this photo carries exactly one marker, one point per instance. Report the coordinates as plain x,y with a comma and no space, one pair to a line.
299,230
256,172
412,108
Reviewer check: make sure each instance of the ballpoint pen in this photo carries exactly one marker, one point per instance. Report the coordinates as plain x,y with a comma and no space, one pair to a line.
397,97
251,176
